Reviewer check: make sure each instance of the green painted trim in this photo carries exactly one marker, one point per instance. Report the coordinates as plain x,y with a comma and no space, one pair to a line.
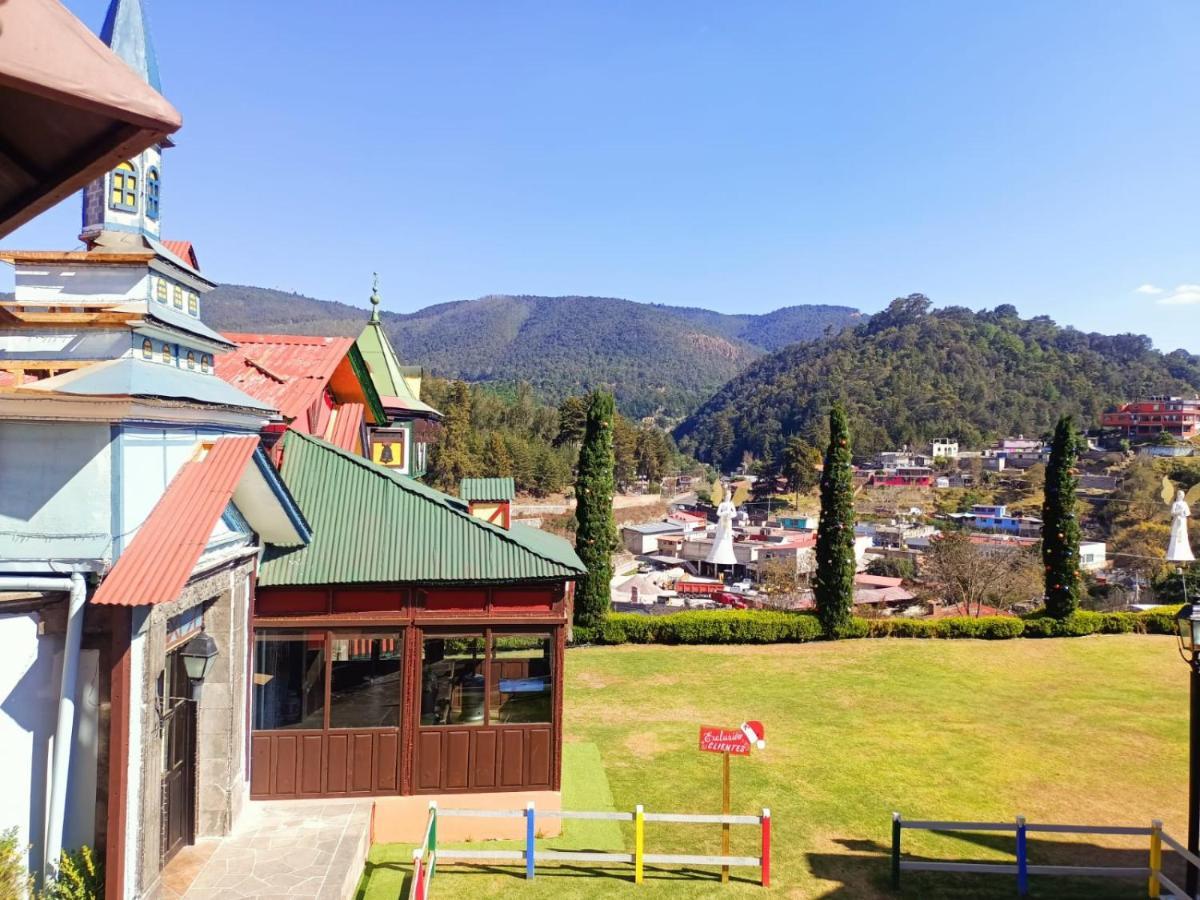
374,403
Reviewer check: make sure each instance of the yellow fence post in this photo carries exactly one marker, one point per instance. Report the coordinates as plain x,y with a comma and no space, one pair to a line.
1155,857
639,842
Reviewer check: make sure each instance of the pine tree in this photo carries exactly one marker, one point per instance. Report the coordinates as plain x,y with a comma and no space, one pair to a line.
1060,525
596,533
497,461
452,459
833,586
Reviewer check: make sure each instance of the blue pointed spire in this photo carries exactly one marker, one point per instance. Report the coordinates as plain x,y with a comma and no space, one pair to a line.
126,32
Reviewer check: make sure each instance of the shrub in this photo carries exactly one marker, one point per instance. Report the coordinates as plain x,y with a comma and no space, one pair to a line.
753,626
15,881
80,877
703,627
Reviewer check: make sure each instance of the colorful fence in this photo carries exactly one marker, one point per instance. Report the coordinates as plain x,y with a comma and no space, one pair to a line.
428,855
1152,871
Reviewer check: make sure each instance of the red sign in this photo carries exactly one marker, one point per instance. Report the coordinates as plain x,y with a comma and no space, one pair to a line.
724,740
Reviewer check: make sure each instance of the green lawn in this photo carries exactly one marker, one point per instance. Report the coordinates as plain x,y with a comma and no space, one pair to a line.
1089,730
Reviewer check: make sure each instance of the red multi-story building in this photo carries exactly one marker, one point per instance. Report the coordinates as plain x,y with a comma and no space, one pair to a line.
1177,416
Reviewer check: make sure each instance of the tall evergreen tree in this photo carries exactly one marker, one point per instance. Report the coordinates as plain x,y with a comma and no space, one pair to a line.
833,586
497,461
596,532
1060,525
452,459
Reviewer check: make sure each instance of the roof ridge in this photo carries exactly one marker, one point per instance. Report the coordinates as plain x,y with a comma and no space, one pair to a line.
254,337
412,486
254,363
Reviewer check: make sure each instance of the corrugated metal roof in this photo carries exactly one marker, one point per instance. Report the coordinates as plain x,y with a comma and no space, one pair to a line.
185,251
487,489
158,562
372,525
291,371
134,377
345,430
386,372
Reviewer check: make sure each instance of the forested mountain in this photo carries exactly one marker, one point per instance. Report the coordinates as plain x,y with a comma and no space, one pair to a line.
656,359
910,373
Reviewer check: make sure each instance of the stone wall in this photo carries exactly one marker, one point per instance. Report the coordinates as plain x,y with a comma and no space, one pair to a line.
221,784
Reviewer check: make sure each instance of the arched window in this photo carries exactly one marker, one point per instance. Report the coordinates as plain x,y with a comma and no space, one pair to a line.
147,349
193,304
191,358
178,297
166,353
160,290
205,363
124,195
152,193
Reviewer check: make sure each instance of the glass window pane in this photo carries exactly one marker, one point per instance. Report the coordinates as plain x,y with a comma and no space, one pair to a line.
522,679
289,679
365,681
452,681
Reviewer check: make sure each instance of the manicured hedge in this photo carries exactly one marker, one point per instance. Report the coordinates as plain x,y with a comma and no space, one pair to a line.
703,627
771,627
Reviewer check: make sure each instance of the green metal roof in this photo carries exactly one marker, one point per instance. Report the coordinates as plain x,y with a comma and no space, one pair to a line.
373,526
487,489
384,366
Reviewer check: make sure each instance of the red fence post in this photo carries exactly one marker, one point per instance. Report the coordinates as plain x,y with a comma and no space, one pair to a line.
766,848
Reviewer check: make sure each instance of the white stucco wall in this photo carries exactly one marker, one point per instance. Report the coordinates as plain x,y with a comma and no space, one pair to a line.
30,671
149,459
55,491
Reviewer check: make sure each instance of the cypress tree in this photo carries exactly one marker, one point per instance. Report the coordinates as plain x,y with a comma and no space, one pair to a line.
833,586
596,530
452,459
1060,526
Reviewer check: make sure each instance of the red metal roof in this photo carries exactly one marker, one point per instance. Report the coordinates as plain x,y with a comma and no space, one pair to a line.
185,251
345,430
288,371
877,581
157,564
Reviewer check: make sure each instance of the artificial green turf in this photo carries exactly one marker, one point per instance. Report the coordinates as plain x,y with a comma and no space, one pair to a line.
1087,730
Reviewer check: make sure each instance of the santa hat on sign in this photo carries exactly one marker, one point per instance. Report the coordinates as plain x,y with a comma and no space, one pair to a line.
755,733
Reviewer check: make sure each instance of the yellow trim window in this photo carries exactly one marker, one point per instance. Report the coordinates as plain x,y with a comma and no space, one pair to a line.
205,363
160,290
147,349
166,353
178,297
124,193
191,358
193,304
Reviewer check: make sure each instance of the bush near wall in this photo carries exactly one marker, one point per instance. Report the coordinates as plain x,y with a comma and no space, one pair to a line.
771,627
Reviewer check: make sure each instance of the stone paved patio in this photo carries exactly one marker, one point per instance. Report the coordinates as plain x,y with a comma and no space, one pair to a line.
289,849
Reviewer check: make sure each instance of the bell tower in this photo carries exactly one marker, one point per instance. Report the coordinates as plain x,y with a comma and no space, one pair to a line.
127,199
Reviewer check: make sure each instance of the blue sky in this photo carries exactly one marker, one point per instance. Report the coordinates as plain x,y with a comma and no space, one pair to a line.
739,156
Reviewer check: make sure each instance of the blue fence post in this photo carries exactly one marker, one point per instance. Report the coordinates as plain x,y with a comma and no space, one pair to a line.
1022,859
530,832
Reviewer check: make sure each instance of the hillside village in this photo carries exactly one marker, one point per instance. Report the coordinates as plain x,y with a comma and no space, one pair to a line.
906,501
320,604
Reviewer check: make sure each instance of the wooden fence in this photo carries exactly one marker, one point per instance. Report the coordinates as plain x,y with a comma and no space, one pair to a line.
1021,868
427,857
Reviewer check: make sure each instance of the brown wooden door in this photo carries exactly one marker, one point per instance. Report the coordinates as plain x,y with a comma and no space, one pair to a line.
179,761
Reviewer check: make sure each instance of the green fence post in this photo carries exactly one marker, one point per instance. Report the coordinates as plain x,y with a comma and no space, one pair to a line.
896,850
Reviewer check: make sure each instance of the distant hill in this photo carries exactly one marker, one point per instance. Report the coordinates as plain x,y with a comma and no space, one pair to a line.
657,359
909,374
